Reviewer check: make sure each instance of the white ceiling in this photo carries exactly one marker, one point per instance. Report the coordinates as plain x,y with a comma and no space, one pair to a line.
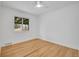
29,6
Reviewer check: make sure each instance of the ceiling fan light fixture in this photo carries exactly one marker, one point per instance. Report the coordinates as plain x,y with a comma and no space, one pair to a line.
38,4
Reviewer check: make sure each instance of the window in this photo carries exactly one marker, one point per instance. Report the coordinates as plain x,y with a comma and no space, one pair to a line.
21,24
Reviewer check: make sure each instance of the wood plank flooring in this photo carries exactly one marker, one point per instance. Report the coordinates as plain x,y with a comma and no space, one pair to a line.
38,48
0,51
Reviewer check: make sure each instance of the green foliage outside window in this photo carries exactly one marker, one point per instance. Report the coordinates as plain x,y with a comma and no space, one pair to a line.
21,23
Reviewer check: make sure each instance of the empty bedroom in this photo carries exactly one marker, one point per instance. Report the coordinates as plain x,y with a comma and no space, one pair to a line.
39,28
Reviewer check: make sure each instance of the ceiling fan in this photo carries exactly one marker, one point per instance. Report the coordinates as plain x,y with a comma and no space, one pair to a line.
39,4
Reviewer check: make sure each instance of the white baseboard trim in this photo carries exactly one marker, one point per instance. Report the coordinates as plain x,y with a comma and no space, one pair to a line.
20,41
59,43
42,39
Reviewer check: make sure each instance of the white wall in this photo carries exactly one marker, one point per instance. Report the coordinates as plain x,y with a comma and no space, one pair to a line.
61,26
0,24
0,3
8,33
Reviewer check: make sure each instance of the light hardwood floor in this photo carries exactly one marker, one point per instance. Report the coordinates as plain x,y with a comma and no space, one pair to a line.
0,51
38,48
